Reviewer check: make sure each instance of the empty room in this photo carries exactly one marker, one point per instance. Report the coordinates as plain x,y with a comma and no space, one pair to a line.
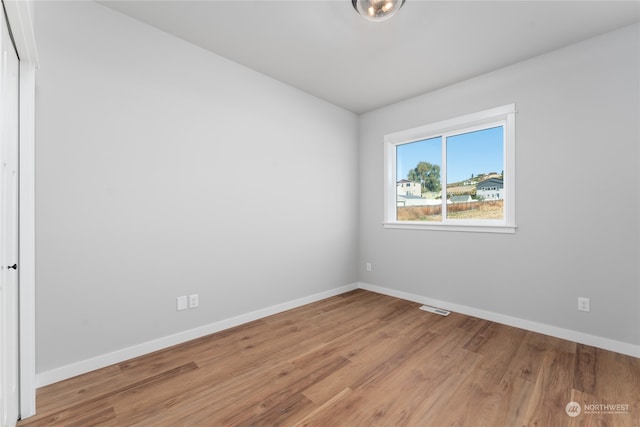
320,213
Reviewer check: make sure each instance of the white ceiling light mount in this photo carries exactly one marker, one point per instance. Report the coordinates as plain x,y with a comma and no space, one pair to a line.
377,10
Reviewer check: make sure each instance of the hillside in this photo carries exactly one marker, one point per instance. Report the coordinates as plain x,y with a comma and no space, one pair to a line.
458,188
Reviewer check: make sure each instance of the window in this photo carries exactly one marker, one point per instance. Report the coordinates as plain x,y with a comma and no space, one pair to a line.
462,171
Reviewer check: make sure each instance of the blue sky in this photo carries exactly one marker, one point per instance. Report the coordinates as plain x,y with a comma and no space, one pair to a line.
468,153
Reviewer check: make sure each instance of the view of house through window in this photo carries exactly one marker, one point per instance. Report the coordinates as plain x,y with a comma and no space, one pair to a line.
457,176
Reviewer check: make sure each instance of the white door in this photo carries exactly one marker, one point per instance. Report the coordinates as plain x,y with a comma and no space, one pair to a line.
9,125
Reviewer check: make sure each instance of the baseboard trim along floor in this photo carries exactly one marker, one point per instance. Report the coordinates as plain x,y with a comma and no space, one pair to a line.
84,366
71,370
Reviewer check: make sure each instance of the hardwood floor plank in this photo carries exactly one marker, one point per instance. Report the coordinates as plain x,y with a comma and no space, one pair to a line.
621,387
552,391
365,356
584,375
404,393
499,350
331,403
285,401
80,388
98,412
122,392
105,417
479,338
355,359
528,359
427,384
515,391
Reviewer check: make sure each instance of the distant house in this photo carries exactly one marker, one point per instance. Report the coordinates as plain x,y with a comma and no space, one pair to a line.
406,187
403,200
461,199
490,189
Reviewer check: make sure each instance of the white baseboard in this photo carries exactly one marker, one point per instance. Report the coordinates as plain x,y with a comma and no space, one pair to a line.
554,331
84,366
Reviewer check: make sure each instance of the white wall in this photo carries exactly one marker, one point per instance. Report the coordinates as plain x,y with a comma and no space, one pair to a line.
140,137
577,135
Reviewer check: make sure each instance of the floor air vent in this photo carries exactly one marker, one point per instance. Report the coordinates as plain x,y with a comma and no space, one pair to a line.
435,310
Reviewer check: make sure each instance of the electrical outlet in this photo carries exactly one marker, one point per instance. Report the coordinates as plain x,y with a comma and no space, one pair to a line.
368,266
584,304
181,303
193,301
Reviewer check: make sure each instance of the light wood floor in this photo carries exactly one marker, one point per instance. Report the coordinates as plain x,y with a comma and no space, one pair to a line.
358,359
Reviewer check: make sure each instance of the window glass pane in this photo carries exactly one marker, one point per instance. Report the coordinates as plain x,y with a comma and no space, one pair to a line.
418,185
475,173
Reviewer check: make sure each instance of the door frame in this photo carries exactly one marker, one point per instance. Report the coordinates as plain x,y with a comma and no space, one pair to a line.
20,17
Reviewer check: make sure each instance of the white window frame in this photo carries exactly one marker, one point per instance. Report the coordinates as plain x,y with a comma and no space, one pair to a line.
499,116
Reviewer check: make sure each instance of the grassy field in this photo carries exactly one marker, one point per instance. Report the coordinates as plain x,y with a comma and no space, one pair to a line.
493,209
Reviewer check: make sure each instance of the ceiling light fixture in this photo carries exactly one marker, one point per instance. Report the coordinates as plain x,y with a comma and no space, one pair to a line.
377,10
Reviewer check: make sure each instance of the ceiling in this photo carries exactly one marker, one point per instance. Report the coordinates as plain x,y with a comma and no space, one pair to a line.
326,49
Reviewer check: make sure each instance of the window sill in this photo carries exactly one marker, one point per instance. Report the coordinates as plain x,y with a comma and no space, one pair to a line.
408,225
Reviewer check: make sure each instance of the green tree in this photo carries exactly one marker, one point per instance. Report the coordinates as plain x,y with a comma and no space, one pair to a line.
426,174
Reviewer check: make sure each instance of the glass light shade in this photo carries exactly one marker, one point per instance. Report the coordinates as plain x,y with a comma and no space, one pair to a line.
377,10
